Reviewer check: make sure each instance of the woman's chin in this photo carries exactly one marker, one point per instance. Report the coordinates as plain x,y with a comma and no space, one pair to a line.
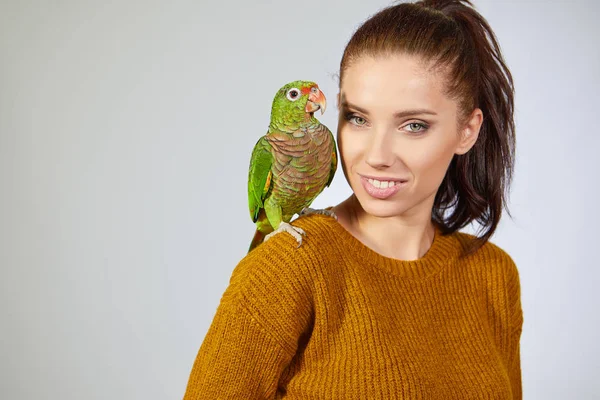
378,208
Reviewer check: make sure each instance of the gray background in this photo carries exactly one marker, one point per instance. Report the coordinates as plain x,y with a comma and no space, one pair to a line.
125,134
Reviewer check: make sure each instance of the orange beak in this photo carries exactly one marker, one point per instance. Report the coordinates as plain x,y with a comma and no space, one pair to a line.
316,101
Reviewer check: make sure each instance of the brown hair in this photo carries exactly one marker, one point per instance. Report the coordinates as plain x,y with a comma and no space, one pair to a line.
451,36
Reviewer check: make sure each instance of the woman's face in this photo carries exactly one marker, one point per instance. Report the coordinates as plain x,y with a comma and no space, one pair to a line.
397,134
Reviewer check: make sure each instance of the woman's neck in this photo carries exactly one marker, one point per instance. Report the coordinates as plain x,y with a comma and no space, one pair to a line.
393,237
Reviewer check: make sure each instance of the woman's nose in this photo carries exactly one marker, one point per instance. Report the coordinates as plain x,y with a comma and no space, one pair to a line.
380,153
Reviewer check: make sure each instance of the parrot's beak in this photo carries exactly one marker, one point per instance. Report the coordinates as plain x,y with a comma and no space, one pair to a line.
316,101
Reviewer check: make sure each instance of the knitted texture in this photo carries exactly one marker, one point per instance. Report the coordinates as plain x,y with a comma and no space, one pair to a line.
334,319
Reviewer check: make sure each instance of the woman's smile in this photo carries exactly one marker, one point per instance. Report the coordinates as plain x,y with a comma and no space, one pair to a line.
382,189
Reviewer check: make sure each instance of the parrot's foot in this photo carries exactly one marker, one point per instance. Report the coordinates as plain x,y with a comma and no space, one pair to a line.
326,211
291,229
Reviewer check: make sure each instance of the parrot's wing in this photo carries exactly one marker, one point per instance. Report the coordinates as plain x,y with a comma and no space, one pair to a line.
333,160
259,176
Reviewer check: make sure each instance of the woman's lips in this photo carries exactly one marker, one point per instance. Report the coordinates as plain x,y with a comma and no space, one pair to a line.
380,192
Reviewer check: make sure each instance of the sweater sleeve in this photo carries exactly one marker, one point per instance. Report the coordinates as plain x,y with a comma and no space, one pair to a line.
238,359
255,333
515,329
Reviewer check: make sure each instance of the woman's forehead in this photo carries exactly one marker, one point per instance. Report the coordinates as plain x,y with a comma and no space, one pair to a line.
375,82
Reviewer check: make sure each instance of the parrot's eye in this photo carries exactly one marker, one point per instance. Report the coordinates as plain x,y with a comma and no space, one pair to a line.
293,94
314,89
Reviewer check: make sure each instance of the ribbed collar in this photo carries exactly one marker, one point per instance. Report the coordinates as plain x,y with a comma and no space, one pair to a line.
442,252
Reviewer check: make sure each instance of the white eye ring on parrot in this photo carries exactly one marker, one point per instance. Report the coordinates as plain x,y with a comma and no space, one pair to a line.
293,94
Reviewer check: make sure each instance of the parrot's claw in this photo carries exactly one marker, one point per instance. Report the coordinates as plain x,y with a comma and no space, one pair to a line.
295,231
326,211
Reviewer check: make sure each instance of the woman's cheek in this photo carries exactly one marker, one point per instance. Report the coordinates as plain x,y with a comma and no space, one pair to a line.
345,155
352,145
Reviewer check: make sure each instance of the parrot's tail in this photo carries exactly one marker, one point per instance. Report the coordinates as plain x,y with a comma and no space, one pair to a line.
256,240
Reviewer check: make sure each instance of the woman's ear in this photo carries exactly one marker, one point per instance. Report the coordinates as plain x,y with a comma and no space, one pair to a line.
469,134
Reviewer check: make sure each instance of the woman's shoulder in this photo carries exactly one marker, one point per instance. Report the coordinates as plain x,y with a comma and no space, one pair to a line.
320,226
317,229
281,258
491,255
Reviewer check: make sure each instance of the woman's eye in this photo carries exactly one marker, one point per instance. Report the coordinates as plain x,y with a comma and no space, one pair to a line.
359,120
417,125
355,119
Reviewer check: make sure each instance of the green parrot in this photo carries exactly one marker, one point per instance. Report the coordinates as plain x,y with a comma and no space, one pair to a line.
291,164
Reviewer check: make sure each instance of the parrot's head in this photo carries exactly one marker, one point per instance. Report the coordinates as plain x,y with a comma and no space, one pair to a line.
297,101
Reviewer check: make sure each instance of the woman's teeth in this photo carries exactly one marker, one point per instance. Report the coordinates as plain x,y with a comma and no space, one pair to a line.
381,184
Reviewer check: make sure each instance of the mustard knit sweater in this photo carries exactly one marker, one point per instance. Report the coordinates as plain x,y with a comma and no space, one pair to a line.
334,319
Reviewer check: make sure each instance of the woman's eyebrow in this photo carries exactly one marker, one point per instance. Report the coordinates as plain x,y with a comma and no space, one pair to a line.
417,111
399,114
346,104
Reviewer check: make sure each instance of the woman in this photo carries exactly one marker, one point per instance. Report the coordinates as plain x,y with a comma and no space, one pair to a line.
390,300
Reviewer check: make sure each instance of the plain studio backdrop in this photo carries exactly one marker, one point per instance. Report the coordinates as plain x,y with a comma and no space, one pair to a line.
126,130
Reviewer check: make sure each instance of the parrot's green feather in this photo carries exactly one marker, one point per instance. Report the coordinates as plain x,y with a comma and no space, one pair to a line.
333,162
259,176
